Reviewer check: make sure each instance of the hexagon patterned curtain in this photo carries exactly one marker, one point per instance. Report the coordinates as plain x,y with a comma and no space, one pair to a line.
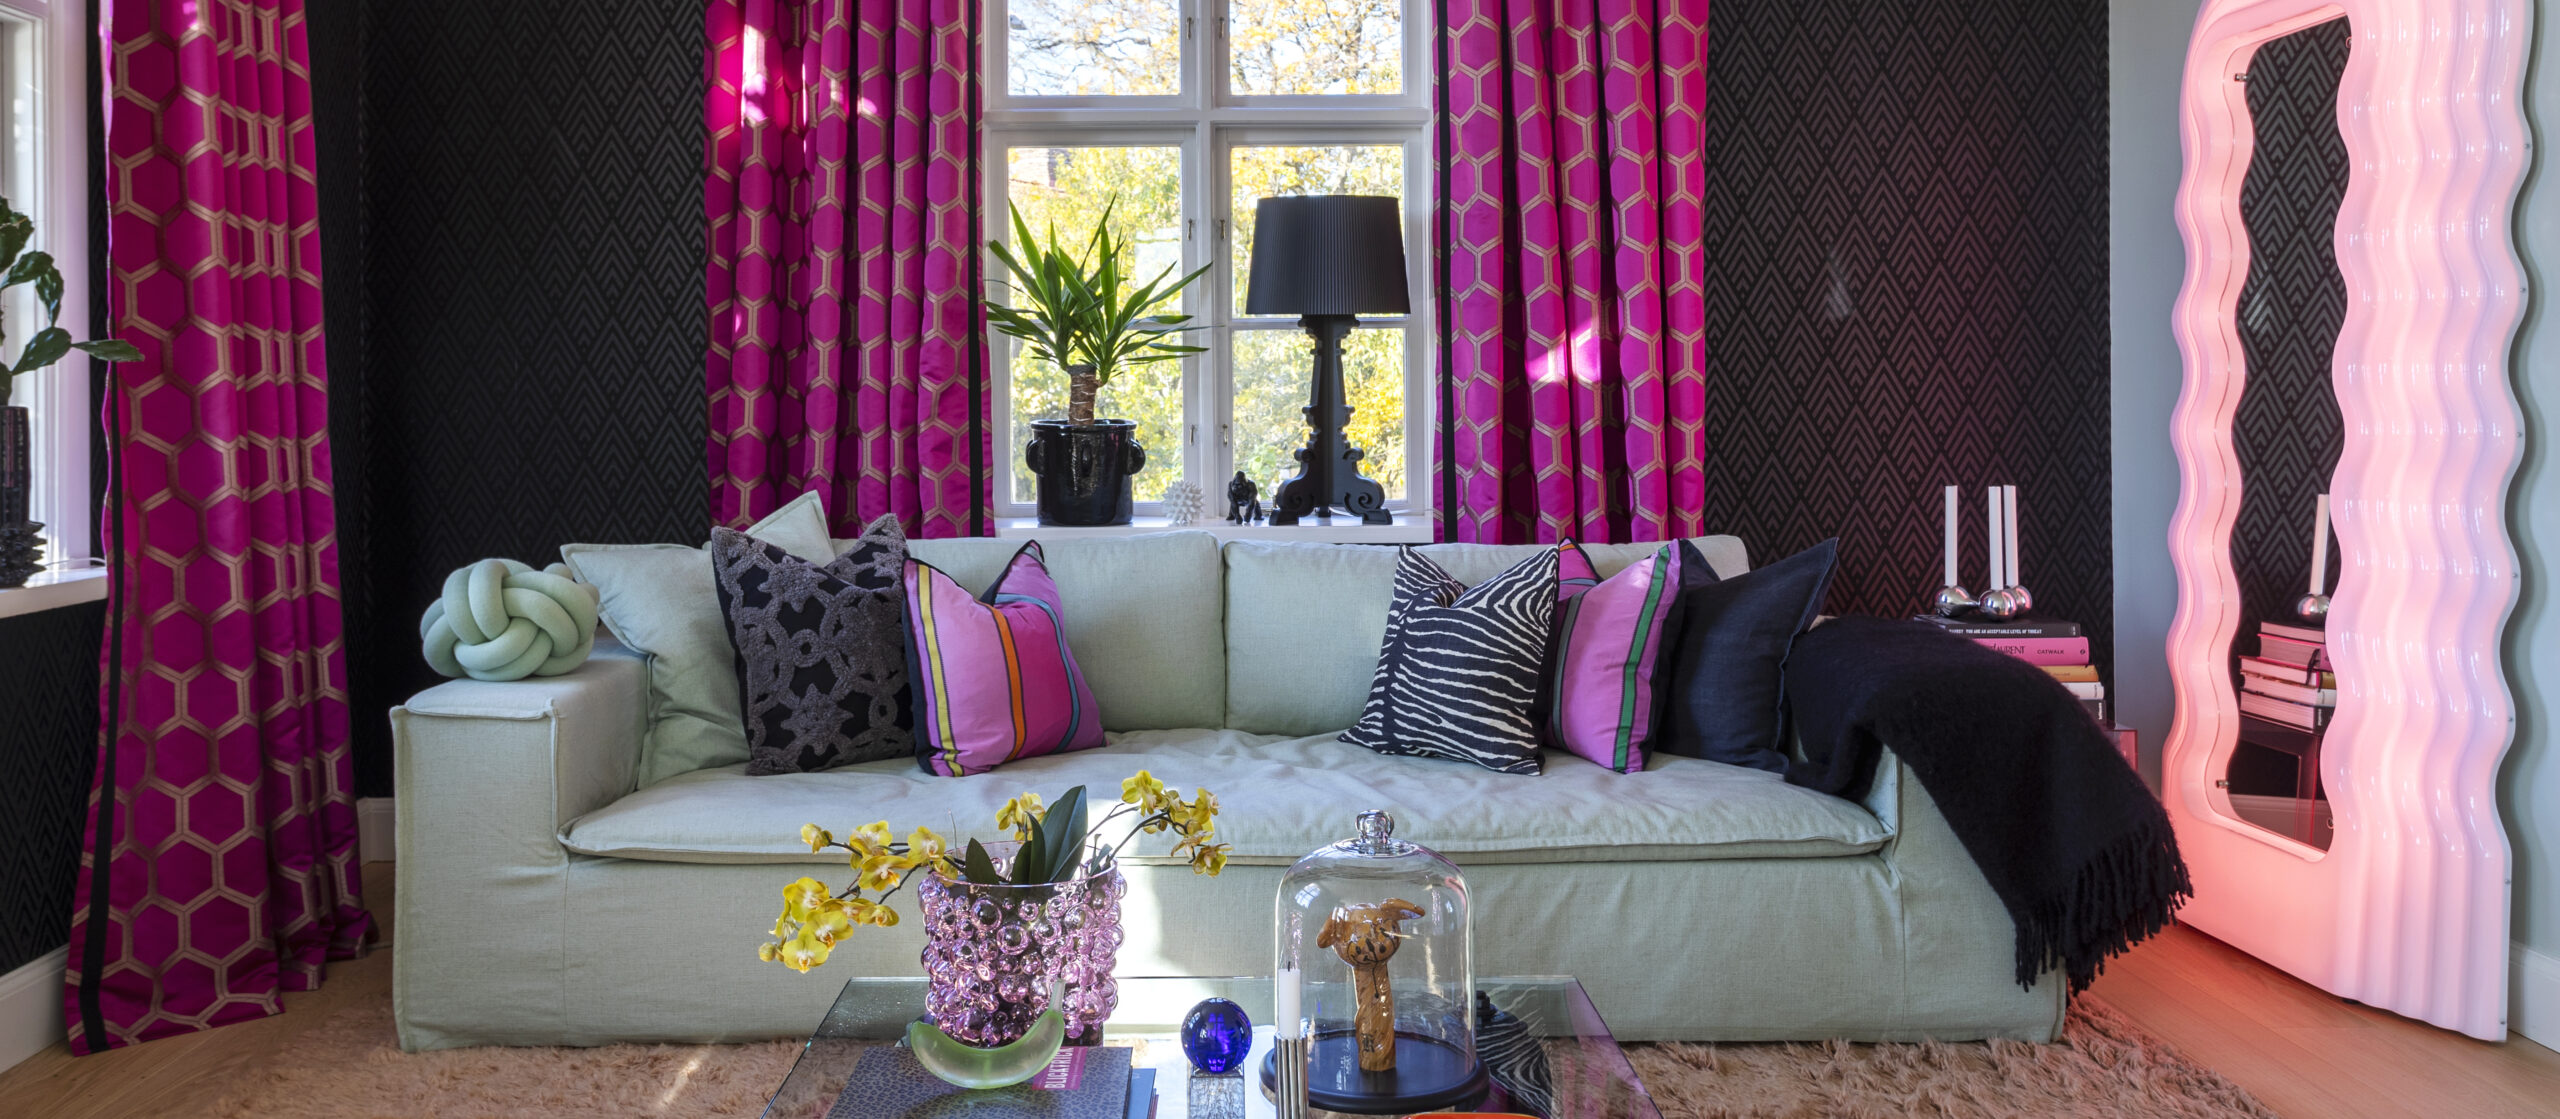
1571,258
842,196
221,864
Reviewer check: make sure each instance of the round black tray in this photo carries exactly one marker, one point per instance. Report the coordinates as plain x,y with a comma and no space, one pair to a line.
1430,1075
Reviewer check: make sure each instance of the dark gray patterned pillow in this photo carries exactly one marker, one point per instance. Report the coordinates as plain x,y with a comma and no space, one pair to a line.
821,651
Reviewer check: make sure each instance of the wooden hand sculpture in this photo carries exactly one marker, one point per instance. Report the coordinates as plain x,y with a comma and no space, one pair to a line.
1366,937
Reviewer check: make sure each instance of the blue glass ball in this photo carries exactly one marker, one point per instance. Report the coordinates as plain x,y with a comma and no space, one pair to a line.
1216,1036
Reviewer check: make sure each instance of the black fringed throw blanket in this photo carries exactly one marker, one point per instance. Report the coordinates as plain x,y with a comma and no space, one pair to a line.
2077,848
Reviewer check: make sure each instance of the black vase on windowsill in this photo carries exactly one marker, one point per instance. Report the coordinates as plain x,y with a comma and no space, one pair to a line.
1084,472
20,548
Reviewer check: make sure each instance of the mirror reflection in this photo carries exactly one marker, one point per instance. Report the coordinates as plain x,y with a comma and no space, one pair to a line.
2288,432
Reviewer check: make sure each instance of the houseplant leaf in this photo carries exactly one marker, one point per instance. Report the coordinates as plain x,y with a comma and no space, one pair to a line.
109,349
1063,834
977,867
1031,862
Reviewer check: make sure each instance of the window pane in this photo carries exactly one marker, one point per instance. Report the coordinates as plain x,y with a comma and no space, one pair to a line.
1272,368
1067,188
1272,172
1316,46
1089,48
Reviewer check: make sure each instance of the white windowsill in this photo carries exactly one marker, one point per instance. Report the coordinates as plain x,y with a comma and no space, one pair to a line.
51,590
1409,528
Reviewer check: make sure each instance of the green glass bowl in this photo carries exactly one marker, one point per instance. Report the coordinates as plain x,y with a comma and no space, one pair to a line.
1004,1065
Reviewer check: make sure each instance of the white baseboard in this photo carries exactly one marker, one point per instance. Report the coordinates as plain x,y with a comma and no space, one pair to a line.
31,1007
377,829
2533,1006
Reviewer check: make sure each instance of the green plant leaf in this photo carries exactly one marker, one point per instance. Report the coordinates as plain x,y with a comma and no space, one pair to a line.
15,230
1031,863
49,292
109,349
44,349
1062,833
977,867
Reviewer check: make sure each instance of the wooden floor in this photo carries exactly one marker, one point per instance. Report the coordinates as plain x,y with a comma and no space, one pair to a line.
2307,1054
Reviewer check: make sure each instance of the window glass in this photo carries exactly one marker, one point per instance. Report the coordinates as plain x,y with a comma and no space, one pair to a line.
1067,189
1094,48
1315,47
1271,171
1272,371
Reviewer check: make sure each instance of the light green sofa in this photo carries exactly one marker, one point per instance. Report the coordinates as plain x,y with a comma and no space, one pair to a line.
544,900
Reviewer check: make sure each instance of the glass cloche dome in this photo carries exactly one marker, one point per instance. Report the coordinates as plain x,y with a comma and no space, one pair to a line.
1373,956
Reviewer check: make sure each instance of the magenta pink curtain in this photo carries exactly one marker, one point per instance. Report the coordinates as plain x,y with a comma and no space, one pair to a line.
842,191
221,864
1571,264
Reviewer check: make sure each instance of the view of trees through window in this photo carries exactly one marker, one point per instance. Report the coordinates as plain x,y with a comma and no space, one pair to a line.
1072,159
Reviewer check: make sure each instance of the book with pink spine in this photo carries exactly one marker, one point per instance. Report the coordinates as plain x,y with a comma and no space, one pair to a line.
2041,650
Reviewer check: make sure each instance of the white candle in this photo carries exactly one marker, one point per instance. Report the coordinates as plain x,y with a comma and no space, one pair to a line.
1991,541
1287,1021
1951,537
2320,545
2009,511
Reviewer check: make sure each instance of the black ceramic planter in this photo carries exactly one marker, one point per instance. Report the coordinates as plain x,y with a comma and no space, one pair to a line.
19,544
1084,472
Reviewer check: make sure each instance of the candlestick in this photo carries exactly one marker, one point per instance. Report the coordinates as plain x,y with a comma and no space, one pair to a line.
1286,990
1951,537
1993,539
1952,599
2017,588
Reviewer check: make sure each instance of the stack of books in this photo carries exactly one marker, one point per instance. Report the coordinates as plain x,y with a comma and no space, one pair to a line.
2051,644
2290,681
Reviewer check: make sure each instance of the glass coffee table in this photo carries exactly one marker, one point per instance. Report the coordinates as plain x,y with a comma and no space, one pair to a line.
1592,1077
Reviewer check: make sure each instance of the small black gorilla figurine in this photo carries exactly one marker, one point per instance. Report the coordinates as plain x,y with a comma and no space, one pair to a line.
1244,505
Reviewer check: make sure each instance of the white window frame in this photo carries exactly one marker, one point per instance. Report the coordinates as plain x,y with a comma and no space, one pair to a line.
1207,122
58,398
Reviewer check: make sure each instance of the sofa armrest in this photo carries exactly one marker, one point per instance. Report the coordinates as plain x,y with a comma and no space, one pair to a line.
487,776
526,756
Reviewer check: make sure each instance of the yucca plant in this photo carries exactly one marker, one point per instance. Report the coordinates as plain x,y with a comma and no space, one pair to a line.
1082,313
51,343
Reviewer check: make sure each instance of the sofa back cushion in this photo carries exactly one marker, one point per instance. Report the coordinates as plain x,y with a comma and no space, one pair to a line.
1303,621
1143,618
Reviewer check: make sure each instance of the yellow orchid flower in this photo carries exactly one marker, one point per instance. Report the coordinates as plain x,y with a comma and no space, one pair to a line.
1210,859
926,849
871,838
832,923
804,952
880,873
1143,790
816,837
769,951
801,898
867,912
1021,814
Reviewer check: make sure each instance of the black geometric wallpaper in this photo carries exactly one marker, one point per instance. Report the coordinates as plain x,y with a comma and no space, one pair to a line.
1907,288
530,319
48,745
2287,431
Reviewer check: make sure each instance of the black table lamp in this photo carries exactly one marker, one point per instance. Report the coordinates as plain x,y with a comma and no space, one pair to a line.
1328,259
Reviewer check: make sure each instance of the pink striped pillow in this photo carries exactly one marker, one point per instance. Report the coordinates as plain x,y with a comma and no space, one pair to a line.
993,677
1608,647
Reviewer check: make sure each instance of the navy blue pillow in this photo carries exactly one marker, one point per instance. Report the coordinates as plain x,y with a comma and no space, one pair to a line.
1728,666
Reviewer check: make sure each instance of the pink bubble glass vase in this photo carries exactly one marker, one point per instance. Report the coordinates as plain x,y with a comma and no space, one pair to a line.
992,953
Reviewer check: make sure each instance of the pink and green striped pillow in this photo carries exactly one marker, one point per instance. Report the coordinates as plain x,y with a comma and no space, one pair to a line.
1608,650
994,680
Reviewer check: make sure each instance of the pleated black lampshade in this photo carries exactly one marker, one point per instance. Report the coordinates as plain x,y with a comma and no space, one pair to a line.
1329,254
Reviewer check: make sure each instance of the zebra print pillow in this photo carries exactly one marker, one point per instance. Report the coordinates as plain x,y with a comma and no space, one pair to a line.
1458,672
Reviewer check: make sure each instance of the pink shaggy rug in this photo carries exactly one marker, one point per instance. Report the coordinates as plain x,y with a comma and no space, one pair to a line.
2104,1067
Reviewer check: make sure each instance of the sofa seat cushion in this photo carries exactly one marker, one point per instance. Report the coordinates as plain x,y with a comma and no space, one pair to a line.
1279,798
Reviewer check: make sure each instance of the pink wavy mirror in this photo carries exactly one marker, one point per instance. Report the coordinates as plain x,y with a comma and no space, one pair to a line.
2407,907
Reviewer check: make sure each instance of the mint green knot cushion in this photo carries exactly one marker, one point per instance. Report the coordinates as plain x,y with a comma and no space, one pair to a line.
503,620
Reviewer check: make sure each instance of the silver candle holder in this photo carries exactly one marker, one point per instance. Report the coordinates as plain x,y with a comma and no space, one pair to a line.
1289,1095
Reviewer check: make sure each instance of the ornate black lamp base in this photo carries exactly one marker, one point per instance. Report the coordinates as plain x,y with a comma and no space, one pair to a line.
1328,466
21,553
